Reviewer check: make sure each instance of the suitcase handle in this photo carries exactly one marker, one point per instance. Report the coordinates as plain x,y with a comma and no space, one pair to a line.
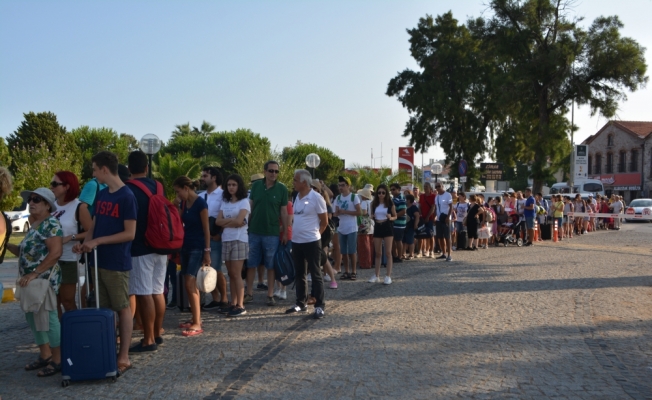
97,285
88,288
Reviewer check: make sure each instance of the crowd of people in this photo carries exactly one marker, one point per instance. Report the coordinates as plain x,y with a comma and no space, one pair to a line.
331,231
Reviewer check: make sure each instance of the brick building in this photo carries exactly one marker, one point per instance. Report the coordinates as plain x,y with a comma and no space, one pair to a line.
620,155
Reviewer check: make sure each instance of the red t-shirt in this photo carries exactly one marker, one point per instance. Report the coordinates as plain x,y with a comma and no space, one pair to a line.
427,202
290,212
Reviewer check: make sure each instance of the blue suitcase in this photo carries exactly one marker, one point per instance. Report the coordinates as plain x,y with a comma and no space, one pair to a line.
88,342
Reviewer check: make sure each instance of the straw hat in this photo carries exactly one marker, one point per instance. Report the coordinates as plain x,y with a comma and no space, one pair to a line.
365,192
257,177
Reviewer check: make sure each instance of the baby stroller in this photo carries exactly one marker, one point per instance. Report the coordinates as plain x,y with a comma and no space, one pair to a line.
509,232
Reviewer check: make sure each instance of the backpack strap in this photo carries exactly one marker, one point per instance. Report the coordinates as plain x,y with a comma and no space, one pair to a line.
141,186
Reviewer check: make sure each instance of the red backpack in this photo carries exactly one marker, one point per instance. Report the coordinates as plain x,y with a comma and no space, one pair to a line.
164,232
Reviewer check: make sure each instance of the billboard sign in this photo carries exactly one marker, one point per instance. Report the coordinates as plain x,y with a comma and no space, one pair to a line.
492,171
581,162
406,160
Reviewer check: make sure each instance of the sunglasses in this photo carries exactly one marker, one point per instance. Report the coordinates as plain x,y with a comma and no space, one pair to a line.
35,199
55,184
273,171
379,193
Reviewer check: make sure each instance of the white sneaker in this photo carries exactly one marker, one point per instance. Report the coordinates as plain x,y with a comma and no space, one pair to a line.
373,279
282,294
327,278
454,248
388,280
309,278
276,293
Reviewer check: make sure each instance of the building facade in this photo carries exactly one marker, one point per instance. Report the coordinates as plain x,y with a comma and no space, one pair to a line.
620,155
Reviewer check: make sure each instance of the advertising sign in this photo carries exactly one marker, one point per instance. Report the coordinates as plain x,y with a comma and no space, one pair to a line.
462,168
406,159
581,162
492,171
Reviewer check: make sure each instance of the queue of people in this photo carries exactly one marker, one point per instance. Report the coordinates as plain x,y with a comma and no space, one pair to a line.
330,231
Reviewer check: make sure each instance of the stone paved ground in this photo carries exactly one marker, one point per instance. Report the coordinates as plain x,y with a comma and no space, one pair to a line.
568,320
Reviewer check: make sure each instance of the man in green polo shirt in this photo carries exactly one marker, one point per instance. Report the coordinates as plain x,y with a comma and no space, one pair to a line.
268,199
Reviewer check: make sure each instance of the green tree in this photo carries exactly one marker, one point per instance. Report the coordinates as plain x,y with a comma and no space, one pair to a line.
37,129
548,60
365,175
170,167
36,165
330,166
91,141
450,98
12,200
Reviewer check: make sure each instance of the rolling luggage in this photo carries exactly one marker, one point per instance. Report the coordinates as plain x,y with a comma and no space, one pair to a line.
88,342
462,240
546,231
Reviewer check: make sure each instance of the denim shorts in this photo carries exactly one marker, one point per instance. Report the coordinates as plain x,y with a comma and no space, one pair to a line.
216,255
529,222
459,226
349,243
262,250
191,261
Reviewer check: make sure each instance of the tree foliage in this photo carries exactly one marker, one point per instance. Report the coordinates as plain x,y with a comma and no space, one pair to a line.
364,176
505,83
12,200
170,167
38,164
90,141
330,166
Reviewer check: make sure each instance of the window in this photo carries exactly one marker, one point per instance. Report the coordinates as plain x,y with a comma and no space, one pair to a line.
593,187
633,163
597,168
610,140
610,163
622,161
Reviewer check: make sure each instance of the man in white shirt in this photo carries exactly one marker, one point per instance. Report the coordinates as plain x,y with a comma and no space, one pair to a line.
347,208
310,221
443,202
212,179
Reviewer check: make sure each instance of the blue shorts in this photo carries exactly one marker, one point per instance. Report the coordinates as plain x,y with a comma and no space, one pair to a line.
430,228
459,226
262,250
408,236
529,222
191,261
349,243
216,255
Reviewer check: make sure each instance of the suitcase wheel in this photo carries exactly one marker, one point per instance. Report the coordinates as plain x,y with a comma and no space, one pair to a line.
114,379
65,383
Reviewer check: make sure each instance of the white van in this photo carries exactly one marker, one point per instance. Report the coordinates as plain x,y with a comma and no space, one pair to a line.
18,217
594,186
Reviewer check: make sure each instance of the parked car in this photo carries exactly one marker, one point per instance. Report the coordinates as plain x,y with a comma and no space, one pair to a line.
637,208
18,217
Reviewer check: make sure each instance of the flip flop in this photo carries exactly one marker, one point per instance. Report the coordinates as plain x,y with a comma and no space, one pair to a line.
185,325
192,332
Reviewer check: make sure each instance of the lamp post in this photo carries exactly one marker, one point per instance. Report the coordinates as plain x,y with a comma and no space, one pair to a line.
313,161
150,144
436,169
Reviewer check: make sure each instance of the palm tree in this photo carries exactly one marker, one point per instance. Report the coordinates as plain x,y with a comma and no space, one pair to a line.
365,175
204,130
171,167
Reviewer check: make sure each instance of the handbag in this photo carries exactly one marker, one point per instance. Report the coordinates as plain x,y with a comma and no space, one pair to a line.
206,279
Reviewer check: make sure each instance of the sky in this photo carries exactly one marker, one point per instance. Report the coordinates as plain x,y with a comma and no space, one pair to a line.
314,71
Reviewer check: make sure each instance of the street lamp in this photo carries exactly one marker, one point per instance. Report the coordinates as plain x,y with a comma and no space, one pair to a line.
436,169
150,144
313,161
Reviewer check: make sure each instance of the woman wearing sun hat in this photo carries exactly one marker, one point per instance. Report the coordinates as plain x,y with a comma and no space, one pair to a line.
37,259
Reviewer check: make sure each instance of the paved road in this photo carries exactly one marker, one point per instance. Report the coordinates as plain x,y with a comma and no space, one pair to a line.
568,320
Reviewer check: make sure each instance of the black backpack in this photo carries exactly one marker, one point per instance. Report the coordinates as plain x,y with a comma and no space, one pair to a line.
3,246
284,266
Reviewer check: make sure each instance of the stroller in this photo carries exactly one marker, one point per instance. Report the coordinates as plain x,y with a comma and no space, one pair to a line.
509,232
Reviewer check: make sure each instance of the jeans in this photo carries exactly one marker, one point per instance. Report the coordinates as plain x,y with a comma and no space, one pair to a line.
216,255
306,259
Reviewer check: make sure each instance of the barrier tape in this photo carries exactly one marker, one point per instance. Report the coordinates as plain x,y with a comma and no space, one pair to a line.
607,215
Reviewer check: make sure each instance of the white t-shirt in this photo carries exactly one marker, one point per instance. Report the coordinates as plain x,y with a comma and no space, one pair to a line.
380,213
305,228
520,206
232,210
348,223
213,200
617,206
66,216
461,209
443,202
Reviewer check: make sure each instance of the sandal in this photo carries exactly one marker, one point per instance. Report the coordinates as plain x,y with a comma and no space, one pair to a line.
186,325
354,276
192,332
39,363
122,368
51,369
345,276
